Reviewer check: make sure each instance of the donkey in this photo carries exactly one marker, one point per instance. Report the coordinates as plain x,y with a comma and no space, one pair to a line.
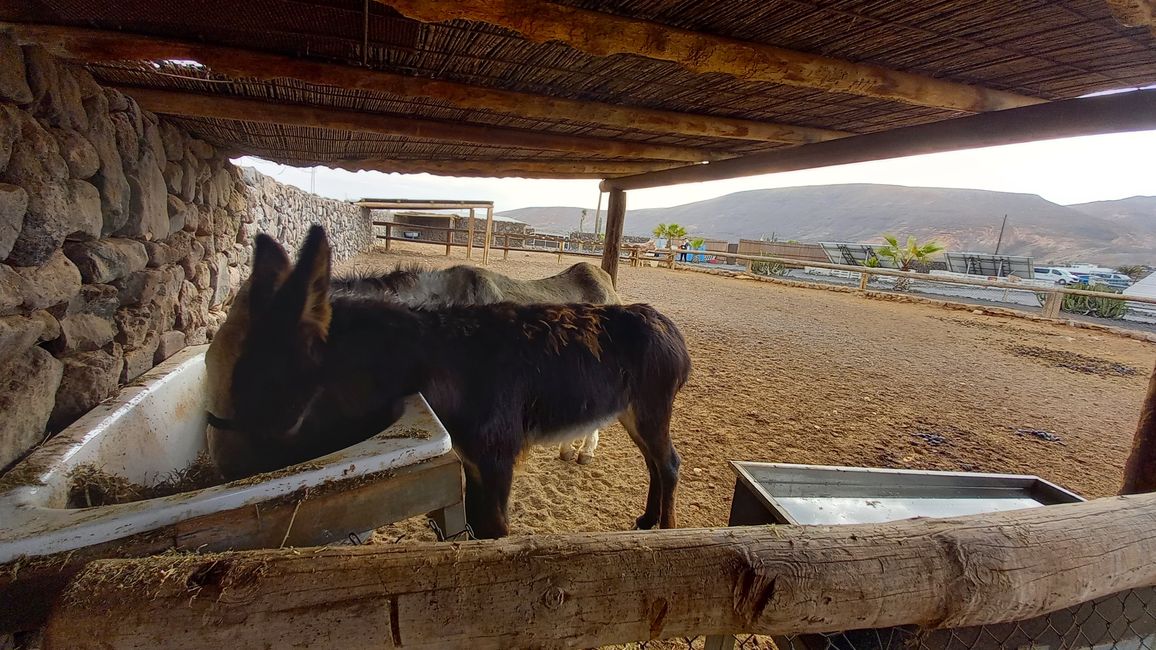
413,287
1140,469
313,374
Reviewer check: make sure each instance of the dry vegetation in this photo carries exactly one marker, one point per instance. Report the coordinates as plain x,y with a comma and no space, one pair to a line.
793,375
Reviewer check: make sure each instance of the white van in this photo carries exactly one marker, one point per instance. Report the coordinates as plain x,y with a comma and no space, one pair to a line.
1059,276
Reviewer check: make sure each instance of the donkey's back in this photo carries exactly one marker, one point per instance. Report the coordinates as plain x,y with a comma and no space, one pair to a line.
581,283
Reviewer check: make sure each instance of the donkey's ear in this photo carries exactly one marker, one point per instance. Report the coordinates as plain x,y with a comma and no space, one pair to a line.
270,268
305,295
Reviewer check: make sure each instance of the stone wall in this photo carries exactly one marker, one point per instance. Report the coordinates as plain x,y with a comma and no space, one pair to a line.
122,239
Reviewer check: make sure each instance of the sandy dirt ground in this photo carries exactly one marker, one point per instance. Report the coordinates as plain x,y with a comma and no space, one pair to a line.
784,374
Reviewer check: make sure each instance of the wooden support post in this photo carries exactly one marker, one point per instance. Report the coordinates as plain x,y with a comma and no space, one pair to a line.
864,278
670,260
449,241
561,245
489,233
1052,304
388,235
598,217
543,591
505,246
615,220
470,237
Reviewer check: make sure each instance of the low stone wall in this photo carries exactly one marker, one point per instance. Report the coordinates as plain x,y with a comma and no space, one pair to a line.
122,239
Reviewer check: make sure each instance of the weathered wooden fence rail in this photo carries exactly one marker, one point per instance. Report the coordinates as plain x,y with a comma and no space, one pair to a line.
586,590
471,241
1051,306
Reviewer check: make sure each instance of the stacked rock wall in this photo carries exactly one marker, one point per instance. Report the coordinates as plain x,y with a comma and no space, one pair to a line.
122,239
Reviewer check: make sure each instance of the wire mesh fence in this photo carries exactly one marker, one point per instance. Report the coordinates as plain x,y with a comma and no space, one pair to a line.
1121,621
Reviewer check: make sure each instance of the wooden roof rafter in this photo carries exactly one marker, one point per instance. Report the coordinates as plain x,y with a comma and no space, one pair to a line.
93,46
1114,113
603,34
256,110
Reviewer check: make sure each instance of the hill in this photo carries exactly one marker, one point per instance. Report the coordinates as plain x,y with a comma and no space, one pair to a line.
1108,232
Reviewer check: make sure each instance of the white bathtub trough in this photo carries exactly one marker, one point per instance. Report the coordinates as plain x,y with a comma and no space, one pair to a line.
155,427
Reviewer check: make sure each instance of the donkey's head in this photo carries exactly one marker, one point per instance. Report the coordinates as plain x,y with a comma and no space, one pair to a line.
276,342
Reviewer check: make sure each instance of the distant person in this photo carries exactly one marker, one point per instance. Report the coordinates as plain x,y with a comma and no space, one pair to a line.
683,247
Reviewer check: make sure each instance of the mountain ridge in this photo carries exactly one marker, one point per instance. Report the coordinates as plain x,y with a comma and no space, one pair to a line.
1108,232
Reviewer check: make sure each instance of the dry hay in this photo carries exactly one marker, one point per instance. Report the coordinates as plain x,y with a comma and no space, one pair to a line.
89,486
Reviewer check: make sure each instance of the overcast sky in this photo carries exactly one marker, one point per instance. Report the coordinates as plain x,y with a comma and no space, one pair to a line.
1073,170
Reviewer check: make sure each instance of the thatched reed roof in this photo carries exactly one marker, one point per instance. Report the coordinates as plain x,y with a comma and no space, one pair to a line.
584,88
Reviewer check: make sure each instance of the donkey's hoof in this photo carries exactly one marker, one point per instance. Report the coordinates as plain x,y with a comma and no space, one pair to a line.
645,522
568,455
585,459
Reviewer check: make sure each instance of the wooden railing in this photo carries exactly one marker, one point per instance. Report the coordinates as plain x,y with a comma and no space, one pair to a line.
1053,294
590,589
500,241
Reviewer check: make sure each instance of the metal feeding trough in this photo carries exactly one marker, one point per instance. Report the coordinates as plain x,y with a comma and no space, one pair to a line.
774,493
157,426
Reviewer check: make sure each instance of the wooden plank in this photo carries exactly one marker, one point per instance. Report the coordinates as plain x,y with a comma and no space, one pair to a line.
323,516
272,112
615,220
470,237
594,589
1052,304
603,34
565,169
489,235
1121,112
402,204
90,45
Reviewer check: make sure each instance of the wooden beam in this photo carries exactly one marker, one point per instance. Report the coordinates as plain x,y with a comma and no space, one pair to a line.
594,589
90,45
604,34
615,220
255,110
535,168
1121,112
1140,470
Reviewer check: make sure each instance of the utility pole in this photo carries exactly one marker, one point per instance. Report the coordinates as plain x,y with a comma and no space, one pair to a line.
1000,240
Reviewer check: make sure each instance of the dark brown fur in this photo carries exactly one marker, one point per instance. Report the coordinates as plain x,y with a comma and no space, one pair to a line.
315,375
1140,470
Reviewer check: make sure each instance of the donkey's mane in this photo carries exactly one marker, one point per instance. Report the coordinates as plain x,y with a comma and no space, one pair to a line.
364,282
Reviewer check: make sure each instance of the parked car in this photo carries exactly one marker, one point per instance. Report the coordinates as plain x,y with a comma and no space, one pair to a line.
1059,276
1114,280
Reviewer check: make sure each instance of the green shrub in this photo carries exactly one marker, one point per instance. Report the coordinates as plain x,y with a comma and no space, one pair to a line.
1090,305
768,268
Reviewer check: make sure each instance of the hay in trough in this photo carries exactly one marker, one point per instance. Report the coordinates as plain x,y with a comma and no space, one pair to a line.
90,486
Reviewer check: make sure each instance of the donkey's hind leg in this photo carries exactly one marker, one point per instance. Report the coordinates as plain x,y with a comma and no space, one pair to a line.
649,428
566,451
589,444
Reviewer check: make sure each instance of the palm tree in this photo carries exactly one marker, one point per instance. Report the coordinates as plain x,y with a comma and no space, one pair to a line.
659,231
906,256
